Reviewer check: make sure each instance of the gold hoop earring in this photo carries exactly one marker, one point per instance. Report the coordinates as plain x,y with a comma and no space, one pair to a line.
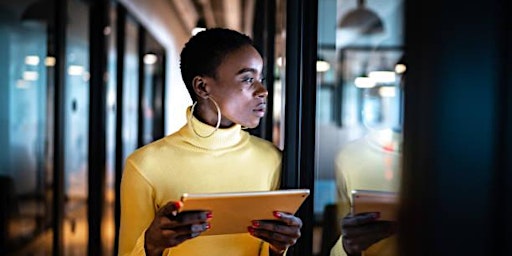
219,116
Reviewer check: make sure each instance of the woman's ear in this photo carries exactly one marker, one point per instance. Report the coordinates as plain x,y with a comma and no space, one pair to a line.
200,87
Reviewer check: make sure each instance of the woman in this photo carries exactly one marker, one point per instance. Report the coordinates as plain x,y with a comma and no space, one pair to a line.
211,153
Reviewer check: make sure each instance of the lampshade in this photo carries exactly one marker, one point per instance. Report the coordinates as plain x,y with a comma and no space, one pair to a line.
363,20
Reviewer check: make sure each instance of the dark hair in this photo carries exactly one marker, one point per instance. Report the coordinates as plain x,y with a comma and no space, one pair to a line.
204,52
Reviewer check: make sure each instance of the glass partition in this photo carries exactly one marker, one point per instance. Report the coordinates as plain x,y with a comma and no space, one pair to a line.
108,221
359,110
25,117
153,89
130,87
76,128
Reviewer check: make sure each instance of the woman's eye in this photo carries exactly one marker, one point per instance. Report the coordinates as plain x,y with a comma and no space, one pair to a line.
252,80
249,80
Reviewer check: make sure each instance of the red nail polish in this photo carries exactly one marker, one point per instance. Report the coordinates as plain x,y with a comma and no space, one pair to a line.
178,204
255,223
208,226
209,215
250,230
277,214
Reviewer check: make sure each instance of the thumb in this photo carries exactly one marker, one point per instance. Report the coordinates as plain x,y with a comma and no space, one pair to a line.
170,209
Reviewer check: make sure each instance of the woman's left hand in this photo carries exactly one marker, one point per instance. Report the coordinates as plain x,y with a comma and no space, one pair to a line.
280,233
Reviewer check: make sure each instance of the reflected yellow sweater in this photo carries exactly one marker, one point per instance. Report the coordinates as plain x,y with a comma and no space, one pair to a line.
373,163
230,160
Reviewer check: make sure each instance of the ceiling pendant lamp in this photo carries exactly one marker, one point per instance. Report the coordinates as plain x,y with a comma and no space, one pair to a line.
362,20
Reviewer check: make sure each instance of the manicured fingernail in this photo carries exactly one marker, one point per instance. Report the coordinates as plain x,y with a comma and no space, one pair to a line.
178,204
250,230
255,223
196,228
209,215
277,214
207,226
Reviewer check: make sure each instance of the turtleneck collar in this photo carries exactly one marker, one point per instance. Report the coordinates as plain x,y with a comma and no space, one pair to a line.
222,138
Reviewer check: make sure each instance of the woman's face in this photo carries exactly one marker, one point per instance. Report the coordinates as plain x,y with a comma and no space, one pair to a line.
238,88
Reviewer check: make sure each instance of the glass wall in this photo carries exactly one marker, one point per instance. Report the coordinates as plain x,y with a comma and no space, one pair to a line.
108,222
153,86
279,76
25,116
76,128
29,45
359,110
130,87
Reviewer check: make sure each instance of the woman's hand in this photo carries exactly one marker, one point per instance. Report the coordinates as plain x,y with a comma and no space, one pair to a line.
170,228
280,233
363,230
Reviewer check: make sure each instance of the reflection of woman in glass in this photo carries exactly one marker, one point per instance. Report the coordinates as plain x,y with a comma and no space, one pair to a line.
369,163
223,73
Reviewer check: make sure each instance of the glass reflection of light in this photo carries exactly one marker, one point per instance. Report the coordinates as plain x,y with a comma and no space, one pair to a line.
49,61
387,92
322,66
75,70
150,58
364,82
279,61
30,75
107,30
22,84
32,60
385,77
111,98
400,68
86,76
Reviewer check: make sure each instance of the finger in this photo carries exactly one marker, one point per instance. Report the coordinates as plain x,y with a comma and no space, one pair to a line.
185,218
170,209
277,240
378,227
276,226
360,219
169,221
351,247
361,243
191,217
188,230
289,219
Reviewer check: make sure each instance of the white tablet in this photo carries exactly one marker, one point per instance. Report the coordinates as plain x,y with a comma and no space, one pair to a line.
386,203
233,212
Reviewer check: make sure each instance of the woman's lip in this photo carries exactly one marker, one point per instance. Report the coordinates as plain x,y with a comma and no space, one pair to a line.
260,109
260,113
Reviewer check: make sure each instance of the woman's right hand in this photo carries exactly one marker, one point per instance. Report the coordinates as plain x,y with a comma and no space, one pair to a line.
363,230
170,228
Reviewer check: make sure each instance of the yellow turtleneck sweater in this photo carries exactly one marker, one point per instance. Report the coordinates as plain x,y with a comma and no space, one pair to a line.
228,161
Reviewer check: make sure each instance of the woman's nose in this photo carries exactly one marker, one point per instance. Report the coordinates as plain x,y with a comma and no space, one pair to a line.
262,91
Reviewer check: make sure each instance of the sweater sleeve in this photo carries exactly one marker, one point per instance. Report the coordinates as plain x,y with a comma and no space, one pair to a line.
137,210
